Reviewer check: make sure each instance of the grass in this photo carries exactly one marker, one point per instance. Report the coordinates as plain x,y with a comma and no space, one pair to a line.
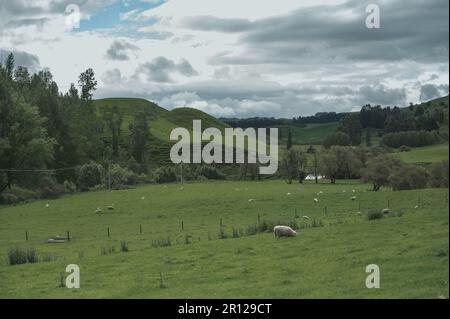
327,259
426,154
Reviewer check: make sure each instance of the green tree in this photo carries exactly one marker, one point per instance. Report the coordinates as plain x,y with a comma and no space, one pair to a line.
368,137
379,169
9,66
289,140
140,136
351,125
87,83
24,143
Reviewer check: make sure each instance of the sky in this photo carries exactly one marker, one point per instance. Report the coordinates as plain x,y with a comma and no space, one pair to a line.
238,58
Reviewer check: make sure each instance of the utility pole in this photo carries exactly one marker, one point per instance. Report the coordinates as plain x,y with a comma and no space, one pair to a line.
181,179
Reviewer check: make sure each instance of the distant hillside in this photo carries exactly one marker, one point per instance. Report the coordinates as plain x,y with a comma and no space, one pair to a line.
161,122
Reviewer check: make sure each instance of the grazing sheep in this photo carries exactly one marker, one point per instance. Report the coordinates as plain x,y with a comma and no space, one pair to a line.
353,197
417,206
288,194
47,205
316,200
358,213
353,191
386,211
111,207
250,200
305,217
143,197
98,210
284,231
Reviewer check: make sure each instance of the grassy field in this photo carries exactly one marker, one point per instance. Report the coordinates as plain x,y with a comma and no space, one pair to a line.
327,259
426,154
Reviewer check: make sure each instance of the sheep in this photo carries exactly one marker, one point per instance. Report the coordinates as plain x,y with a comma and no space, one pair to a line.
417,206
284,231
305,217
353,191
111,207
386,211
98,210
353,198
181,188
288,194
358,213
143,197
316,200
47,205
250,200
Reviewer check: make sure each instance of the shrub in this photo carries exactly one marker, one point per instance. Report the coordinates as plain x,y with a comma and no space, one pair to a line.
210,172
17,255
49,188
123,246
337,138
161,242
404,148
438,174
89,175
408,177
16,195
374,214
121,176
165,174
410,138
69,187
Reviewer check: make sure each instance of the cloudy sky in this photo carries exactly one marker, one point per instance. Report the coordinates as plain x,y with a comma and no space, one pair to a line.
238,58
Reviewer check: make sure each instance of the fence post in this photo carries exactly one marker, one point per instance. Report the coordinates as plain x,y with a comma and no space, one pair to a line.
221,224
68,236
182,225
108,231
140,229
259,217
26,236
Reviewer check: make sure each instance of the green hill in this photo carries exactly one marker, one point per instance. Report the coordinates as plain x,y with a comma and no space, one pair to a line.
161,122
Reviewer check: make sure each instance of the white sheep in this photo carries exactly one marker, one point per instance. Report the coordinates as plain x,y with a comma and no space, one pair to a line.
143,197
284,231
47,205
353,198
181,188
417,206
305,217
98,210
111,207
316,200
250,200
288,194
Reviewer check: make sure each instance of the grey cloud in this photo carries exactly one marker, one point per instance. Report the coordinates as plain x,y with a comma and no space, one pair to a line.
113,76
379,94
161,68
22,58
118,50
432,91
211,23
416,31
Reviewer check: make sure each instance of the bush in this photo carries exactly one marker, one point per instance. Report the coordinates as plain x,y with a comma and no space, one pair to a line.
121,176
123,246
374,214
16,195
408,177
165,174
17,255
438,174
410,138
210,172
404,148
69,187
89,175
49,188
337,138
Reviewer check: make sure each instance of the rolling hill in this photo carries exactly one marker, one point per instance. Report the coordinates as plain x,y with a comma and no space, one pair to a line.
161,122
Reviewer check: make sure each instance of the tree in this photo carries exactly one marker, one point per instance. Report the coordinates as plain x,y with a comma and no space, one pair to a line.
289,140
294,164
113,120
379,169
24,143
337,138
351,125
73,92
9,65
368,137
87,84
139,137
340,162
